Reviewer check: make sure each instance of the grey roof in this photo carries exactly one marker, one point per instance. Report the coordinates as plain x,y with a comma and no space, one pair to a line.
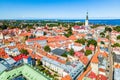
116,74
58,51
67,68
15,50
117,58
75,69
10,61
2,68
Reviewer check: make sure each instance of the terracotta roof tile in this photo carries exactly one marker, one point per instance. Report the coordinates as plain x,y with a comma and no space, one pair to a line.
101,77
84,60
67,77
92,75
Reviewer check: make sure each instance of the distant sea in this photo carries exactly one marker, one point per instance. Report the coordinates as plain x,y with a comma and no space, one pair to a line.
112,22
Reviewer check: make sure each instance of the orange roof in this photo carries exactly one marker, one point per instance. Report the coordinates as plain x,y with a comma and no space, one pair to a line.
38,57
25,34
51,45
117,66
84,73
52,57
95,58
81,35
51,39
84,59
101,69
3,54
60,38
104,54
34,39
61,61
72,37
67,77
103,39
44,53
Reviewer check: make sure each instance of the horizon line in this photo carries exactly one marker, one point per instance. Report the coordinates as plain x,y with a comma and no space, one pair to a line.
59,19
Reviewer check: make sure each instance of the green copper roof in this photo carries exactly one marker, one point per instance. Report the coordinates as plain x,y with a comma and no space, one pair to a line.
27,71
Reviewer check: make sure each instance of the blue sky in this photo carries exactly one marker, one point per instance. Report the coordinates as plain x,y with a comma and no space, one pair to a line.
63,9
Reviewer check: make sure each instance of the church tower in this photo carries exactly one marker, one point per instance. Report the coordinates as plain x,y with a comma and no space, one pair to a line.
86,21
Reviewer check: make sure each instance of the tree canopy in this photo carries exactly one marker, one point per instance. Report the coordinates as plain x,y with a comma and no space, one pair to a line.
64,54
117,28
82,41
71,52
88,52
69,32
102,34
102,42
39,62
118,37
47,48
108,29
116,45
92,41
24,51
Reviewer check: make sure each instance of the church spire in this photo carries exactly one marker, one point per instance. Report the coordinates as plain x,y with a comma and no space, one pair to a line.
86,21
87,16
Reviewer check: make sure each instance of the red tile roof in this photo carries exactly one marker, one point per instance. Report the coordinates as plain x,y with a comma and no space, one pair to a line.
92,75
78,54
19,57
101,77
76,27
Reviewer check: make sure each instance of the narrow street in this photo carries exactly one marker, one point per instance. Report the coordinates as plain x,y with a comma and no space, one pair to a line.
110,60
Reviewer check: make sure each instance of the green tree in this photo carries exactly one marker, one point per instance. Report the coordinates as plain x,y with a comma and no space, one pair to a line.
117,28
79,23
116,45
107,37
26,37
71,52
39,62
102,42
102,34
45,33
88,52
108,29
82,41
118,37
94,26
47,48
24,51
69,32
92,41
64,55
